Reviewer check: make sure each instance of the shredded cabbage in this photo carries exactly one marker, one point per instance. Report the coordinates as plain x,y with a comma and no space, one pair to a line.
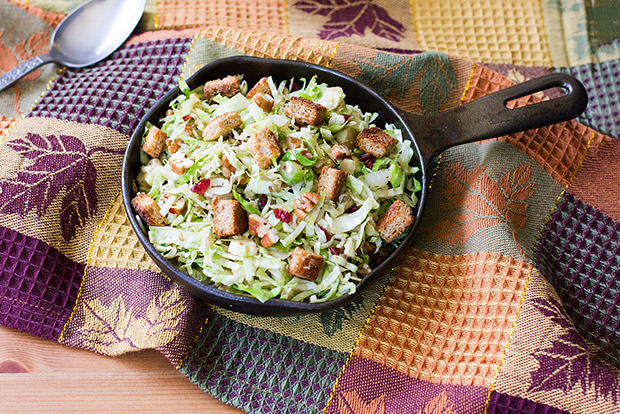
342,230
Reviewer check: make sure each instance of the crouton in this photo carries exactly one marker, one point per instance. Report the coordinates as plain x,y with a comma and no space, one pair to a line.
221,126
154,142
304,204
263,146
227,167
304,264
228,86
331,182
394,221
375,141
339,152
148,210
305,111
258,226
174,144
264,102
261,87
229,218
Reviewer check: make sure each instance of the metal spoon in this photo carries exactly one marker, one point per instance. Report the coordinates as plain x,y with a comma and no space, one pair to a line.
87,35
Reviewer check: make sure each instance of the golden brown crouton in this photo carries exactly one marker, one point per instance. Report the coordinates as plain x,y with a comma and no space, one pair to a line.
264,102
154,142
262,87
304,264
305,203
148,210
174,144
228,86
305,111
375,141
229,218
339,152
221,126
263,146
394,221
331,182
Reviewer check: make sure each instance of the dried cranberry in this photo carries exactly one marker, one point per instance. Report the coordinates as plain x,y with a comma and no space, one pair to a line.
201,186
353,209
262,202
335,250
368,159
187,118
328,235
298,124
282,215
347,117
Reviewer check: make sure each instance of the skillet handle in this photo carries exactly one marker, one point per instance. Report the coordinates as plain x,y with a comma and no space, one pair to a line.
489,117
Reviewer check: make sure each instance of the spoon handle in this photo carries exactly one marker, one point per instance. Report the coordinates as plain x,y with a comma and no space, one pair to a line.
22,70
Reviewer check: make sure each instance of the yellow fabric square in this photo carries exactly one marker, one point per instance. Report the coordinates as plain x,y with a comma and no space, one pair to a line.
490,31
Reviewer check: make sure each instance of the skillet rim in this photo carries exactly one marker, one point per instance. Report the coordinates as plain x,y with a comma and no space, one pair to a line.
237,302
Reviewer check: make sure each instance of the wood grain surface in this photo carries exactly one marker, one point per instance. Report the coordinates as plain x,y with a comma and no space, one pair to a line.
41,376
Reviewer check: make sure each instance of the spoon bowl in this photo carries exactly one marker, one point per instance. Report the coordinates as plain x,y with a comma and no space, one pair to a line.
86,36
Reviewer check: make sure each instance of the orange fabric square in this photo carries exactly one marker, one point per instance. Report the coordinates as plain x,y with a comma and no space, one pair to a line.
559,148
446,319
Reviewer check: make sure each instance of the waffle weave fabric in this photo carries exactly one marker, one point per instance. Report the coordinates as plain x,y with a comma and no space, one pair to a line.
508,300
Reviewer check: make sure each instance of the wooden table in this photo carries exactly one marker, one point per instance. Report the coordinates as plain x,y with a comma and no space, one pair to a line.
37,375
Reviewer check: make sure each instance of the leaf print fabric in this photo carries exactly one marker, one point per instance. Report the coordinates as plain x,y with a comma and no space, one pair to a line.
567,363
58,164
114,329
352,17
474,201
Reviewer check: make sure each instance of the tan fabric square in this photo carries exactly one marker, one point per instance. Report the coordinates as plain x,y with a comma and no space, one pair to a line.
490,31
446,319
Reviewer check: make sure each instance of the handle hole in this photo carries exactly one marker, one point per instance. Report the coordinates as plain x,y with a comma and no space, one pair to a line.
542,95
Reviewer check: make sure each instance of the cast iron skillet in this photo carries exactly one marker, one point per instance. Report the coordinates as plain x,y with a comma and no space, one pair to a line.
484,118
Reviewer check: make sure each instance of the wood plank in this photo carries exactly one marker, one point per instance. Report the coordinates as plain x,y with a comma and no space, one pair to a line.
37,375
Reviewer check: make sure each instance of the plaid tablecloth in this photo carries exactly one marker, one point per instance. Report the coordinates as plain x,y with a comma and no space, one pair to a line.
509,299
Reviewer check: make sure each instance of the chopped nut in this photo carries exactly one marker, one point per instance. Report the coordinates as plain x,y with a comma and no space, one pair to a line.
331,182
221,126
259,227
228,86
174,144
227,167
293,143
304,264
305,111
148,210
179,163
154,142
304,204
339,152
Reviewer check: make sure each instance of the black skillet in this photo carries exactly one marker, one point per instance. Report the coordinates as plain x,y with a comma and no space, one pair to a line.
483,118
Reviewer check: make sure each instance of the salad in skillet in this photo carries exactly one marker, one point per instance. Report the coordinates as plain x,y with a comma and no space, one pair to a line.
280,191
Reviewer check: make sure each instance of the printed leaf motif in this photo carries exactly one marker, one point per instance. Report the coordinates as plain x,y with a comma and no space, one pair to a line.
332,319
393,74
566,363
350,403
114,329
475,201
58,164
438,405
352,17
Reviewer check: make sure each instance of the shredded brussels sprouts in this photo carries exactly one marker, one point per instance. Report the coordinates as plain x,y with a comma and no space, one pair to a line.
342,231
